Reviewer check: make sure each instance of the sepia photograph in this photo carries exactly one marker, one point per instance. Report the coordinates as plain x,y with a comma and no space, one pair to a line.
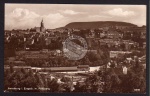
75,48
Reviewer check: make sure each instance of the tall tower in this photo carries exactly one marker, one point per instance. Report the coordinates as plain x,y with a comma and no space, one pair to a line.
42,28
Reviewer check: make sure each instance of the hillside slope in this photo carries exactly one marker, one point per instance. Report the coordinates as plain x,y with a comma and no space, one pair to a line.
98,24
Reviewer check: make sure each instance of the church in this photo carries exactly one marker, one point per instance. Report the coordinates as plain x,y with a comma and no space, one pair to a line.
39,29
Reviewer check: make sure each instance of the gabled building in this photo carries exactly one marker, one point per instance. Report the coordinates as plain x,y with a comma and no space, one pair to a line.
112,34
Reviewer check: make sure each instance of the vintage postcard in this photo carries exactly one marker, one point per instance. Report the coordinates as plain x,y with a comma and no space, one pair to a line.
75,48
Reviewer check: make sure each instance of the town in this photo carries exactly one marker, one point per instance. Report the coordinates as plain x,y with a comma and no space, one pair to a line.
115,61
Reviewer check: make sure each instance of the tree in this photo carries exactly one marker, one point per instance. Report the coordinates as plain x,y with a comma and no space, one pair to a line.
112,82
93,57
53,85
65,79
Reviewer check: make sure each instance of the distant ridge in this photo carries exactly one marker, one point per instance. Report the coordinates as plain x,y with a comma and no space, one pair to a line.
96,24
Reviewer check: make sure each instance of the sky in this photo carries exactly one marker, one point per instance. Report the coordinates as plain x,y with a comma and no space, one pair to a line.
24,16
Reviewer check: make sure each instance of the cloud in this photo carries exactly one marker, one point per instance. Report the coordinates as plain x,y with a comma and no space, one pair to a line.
23,14
22,18
70,12
54,20
99,16
53,17
120,12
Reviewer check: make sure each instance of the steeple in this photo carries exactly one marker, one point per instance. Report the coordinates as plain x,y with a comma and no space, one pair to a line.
42,28
42,24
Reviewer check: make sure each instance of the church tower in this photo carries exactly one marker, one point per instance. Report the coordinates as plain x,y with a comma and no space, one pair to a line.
42,28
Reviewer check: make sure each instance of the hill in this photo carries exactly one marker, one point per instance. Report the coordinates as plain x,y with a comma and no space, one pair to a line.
98,24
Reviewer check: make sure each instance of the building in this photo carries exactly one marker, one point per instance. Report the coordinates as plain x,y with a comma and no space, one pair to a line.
134,32
113,34
39,29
